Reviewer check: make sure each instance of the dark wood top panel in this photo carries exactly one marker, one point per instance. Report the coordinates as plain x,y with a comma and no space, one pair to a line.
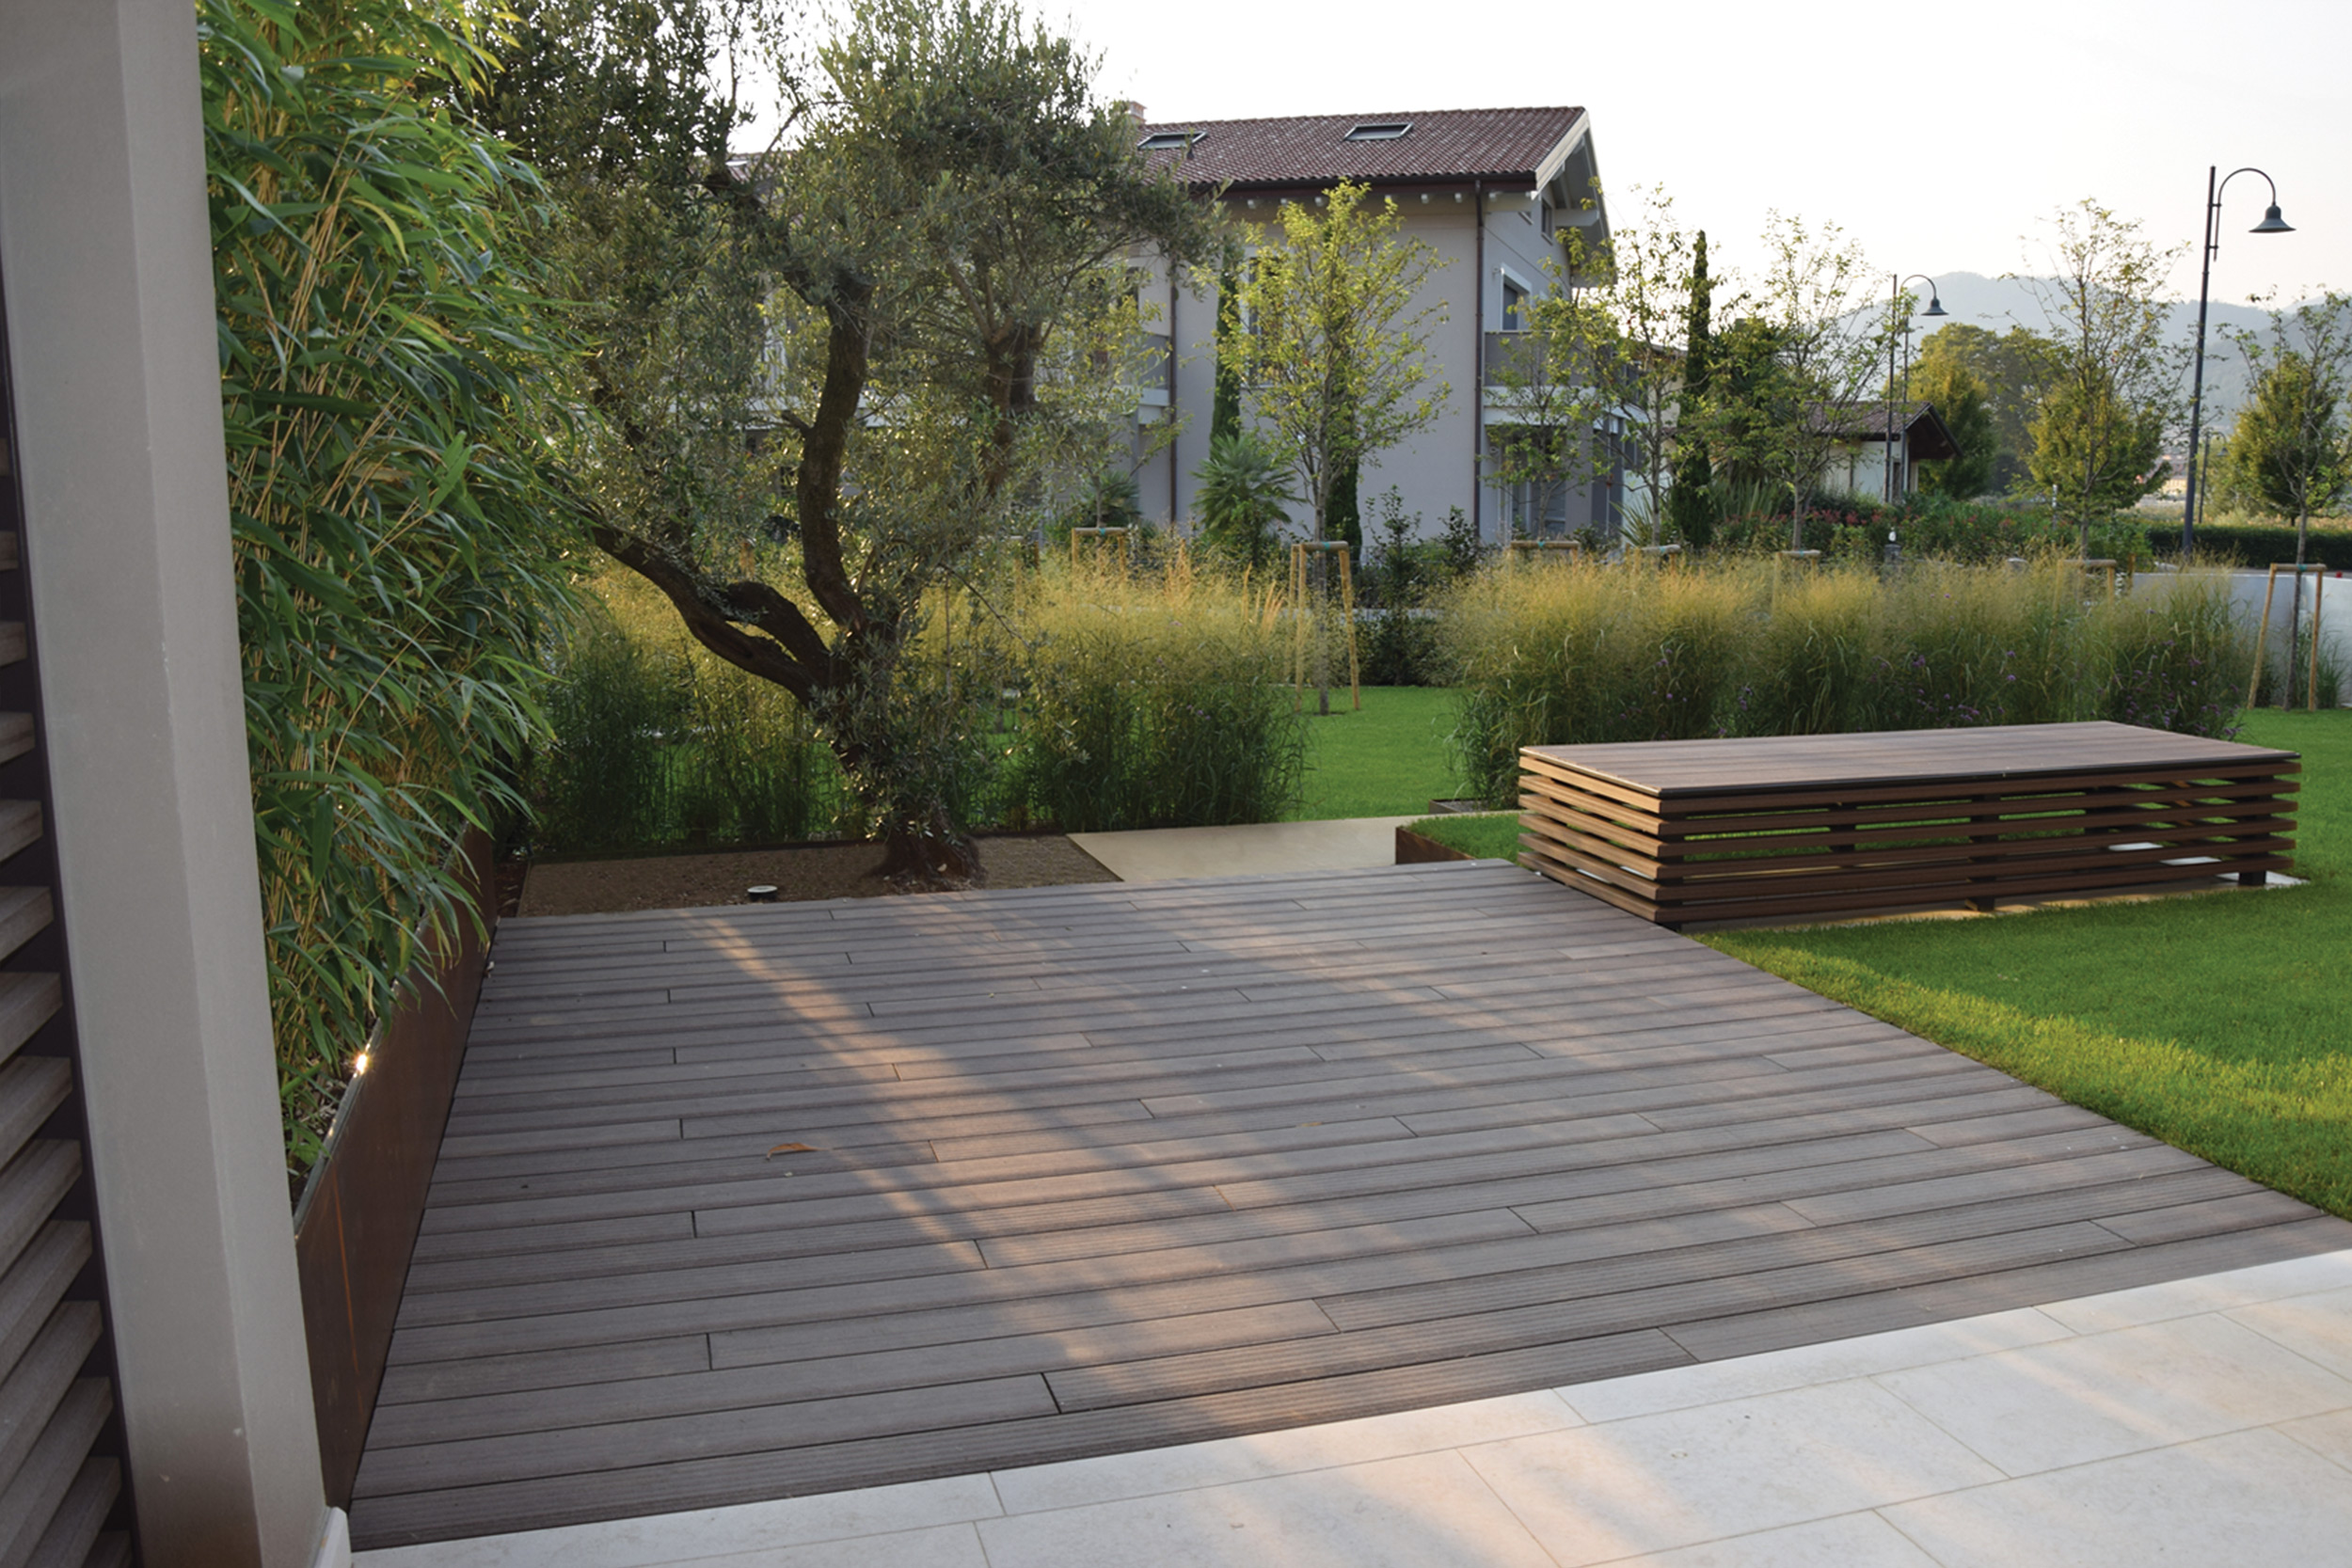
1672,768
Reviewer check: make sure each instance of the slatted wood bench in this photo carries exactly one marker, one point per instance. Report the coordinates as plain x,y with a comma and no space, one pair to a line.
1683,831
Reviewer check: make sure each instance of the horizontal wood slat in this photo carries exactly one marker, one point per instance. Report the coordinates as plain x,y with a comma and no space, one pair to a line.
1683,832
1431,1132
20,826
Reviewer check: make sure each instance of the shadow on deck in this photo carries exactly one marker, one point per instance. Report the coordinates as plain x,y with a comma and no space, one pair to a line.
750,1202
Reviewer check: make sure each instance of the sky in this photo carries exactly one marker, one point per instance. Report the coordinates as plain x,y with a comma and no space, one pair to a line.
1938,137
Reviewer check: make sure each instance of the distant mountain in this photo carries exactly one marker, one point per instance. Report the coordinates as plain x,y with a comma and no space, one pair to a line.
1997,304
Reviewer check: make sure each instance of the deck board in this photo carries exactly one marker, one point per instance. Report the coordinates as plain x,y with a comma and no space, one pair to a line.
1092,1169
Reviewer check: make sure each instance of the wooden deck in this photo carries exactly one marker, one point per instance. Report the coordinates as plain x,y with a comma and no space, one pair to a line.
743,1203
1760,828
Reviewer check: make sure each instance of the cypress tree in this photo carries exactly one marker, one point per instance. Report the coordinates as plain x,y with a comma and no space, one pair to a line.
1225,406
1691,507
1347,518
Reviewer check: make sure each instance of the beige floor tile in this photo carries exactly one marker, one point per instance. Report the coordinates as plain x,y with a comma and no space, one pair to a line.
1849,1541
941,1546
2213,1292
1080,1481
2102,1395
2252,1499
2328,1435
718,1532
1259,849
1656,1483
1429,1510
2319,1326
1742,1377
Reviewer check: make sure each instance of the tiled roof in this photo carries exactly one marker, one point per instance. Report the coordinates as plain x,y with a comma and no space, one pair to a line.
1866,422
1314,150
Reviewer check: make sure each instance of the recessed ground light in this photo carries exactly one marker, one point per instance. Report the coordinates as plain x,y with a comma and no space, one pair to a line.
1379,130
763,894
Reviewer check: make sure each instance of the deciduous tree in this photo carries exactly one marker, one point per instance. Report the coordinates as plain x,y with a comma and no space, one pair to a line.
1811,344
1605,349
2290,446
1335,362
1958,399
2014,367
2098,436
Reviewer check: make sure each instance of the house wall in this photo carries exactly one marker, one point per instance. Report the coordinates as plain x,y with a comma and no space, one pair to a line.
1858,469
1442,464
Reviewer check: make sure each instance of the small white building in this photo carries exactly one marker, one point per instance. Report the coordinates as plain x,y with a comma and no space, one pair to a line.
1868,434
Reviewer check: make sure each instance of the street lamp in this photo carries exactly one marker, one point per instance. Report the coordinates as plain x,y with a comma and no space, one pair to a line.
2271,224
1894,304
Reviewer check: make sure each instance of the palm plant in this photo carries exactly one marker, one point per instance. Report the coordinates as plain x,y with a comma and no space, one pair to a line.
1244,497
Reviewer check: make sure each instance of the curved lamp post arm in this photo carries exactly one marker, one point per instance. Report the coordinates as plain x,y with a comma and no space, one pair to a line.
1894,305
2271,224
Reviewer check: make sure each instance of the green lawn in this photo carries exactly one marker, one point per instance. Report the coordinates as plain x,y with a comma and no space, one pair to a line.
1489,835
1390,760
2220,1024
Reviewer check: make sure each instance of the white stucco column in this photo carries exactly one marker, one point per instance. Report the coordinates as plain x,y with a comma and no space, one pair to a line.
104,256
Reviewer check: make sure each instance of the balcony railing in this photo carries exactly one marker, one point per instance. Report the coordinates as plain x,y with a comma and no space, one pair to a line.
1513,359
1153,367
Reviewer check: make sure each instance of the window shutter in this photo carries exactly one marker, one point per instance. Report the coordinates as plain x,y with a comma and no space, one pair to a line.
61,1496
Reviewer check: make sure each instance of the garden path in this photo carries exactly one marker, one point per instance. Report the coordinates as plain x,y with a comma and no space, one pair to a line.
754,1202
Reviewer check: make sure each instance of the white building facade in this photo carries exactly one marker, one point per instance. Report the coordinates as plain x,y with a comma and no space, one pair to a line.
1495,194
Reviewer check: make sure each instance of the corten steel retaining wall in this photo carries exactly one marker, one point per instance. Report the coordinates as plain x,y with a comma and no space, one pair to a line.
1414,848
358,1216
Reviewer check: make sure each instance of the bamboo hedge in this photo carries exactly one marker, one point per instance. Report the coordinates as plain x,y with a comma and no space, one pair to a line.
385,355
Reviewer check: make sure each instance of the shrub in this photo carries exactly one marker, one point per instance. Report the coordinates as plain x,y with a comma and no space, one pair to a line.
2329,543
1569,654
615,704
1154,699
1399,634
656,742
2175,656
1548,650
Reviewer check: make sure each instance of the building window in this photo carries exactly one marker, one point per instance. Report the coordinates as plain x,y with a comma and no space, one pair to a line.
1514,307
1379,130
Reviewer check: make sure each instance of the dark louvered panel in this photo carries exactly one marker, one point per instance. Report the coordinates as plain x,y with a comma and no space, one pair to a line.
61,1494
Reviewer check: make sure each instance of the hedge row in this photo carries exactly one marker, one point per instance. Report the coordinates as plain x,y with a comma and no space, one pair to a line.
2256,545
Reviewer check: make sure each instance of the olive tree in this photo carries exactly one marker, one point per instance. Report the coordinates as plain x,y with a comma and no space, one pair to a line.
896,331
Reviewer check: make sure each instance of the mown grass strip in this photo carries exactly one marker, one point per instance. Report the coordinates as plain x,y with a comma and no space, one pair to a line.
2218,1024
1489,835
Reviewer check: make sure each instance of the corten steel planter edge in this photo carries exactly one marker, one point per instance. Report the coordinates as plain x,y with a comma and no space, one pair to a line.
1414,848
357,1221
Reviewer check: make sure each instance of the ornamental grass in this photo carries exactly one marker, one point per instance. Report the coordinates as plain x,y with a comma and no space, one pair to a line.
1568,652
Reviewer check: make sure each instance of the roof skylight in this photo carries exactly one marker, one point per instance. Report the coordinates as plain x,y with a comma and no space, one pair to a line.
1169,141
1379,130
